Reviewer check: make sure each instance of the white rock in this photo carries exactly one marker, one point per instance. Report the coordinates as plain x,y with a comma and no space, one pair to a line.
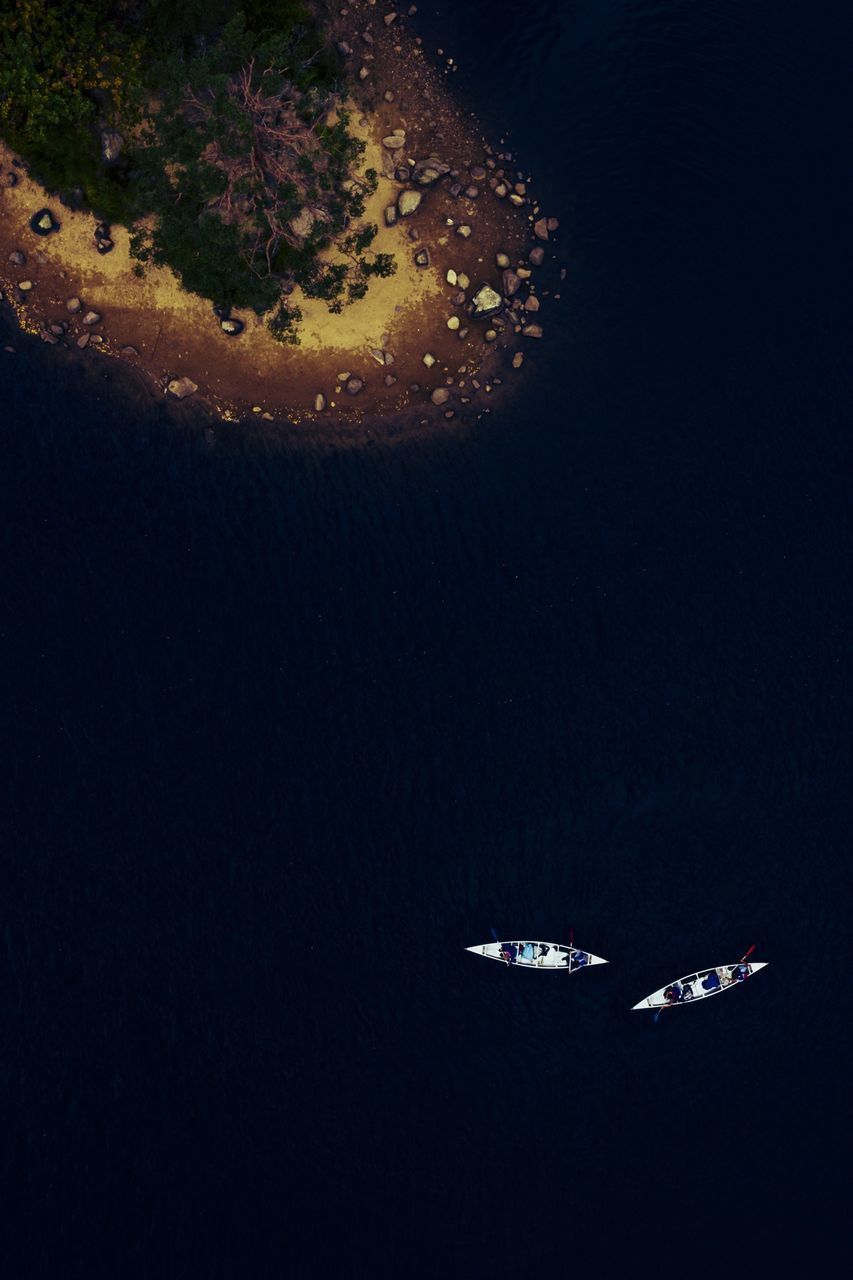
181,387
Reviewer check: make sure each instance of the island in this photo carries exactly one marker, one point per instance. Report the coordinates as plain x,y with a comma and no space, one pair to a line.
275,207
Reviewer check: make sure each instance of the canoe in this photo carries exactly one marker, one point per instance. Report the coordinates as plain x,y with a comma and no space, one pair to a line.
700,985
537,955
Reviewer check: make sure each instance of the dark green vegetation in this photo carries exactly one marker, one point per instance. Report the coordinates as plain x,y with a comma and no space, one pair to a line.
236,164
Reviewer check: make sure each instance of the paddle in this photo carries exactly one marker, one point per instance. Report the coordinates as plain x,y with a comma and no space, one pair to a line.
747,955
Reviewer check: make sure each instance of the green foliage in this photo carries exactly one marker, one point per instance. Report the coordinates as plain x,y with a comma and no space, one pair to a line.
283,324
168,76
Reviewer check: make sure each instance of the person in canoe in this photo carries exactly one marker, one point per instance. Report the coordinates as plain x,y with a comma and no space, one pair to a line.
673,994
579,959
711,981
508,952
740,972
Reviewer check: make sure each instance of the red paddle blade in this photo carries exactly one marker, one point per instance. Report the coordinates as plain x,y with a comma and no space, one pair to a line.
750,951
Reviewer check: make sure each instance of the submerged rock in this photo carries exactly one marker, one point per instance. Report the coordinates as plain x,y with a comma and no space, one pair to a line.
18,259
536,256
440,396
540,228
532,331
319,402
91,317
73,305
486,301
511,283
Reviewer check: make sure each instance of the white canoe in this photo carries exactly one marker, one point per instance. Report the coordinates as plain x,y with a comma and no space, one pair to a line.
699,985
537,955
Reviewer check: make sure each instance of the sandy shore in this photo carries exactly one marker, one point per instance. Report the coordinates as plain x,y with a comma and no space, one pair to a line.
174,334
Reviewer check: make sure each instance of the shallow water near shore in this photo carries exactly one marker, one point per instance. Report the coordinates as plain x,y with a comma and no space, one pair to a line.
289,726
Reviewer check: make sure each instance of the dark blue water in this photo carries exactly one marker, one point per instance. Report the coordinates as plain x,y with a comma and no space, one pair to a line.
286,727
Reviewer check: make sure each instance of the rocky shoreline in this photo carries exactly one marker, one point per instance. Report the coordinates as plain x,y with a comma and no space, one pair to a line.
438,342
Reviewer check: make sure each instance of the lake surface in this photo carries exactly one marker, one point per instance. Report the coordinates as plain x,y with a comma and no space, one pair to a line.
288,727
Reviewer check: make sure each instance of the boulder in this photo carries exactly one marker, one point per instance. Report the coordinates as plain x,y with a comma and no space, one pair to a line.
464,230
25,285
73,305
462,280
18,259
232,327
129,351
440,396
10,179
83,340
105,246
422,258
408,202
540,228
451,276
390,215
531,303
389,379
319,402
426,172
511,283
477,172
429,359
395,141
180,388
90,318
354,385
57,329
43,223
502,260
486,301
112,144
518,360
453,322
302,224
472,192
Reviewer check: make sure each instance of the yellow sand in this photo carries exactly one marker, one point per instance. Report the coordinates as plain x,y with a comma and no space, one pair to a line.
108,282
